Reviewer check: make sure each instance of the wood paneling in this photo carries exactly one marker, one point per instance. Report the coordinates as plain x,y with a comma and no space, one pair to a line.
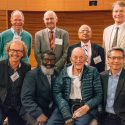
3,20
70,21
56,5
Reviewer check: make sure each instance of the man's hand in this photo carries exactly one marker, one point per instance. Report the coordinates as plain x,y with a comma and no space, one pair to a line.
42,119
80,111
69,122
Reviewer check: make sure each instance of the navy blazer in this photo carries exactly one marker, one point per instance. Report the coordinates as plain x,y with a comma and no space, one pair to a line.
96,51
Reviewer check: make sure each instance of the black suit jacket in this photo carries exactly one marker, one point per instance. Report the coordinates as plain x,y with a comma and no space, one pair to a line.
4,78
96,51
119,102
36,93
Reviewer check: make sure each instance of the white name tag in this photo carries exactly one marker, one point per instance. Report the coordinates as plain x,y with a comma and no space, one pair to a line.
15,76
58,41
97,59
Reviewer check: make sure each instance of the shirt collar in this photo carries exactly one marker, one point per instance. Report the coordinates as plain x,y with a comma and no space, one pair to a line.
118,74
121,25
51,30
14,32
88,43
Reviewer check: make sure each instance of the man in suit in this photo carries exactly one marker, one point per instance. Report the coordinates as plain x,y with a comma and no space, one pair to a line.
95,53
36,91
16,32
118,14
60,40
77,92
12,73
113,82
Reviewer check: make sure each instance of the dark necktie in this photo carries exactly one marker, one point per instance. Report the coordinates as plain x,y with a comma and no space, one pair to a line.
115,38
85,47
51,40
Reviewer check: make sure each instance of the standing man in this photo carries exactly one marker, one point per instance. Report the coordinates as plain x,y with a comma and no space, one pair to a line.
77,92
16,32
53,38
114,35
113,81
12,73
36,91
94,52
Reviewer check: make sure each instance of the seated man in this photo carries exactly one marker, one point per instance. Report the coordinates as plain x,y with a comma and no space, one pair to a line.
36,91
12,73
77,92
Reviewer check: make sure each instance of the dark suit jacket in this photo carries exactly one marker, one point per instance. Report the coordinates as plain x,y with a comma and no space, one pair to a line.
119,102
4,78
96,51
36,93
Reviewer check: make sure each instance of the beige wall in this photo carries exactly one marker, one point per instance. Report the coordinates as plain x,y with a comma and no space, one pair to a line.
56,5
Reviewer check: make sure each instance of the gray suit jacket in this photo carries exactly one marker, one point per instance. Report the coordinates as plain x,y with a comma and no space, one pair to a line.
60,49
107,38
119,102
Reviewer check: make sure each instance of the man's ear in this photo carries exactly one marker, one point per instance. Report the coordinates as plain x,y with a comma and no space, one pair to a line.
71,60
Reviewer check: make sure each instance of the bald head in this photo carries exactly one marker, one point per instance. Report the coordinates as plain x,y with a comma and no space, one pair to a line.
85,27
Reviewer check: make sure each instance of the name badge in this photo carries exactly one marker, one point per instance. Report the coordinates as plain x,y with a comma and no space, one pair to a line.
58,41
14,77
97,59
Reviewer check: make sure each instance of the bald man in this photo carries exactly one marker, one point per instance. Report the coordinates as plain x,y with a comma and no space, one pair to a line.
60,40
16,32
94,52
77,92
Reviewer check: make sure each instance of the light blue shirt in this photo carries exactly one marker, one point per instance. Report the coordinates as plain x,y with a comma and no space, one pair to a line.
112,86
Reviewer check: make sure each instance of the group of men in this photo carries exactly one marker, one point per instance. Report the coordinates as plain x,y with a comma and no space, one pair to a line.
66,87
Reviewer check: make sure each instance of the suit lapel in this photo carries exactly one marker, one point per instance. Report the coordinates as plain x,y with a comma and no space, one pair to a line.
57,35
43,79
122,35
105,85
46,38
121,82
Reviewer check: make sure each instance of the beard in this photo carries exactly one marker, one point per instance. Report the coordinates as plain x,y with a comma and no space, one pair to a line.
47,71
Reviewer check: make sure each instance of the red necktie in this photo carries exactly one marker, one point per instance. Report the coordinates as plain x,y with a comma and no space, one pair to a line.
51,40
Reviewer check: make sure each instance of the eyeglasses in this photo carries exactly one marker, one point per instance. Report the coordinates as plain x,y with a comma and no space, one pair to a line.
120,11
17,51
49,60
114,57
84,31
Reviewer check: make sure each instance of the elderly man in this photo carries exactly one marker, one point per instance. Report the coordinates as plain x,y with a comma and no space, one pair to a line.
77,92
12,73
113,81
52,38
16,32
95,53
36,91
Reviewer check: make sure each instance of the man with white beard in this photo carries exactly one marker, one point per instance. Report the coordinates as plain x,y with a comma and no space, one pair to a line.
36,93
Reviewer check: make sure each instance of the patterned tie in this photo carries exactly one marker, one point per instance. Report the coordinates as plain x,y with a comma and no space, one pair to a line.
115,38
85,47
51,40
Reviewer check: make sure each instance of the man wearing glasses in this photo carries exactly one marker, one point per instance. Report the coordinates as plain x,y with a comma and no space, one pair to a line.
12,73
36,93
113,81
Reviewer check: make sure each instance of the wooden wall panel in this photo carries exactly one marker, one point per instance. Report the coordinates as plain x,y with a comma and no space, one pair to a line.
70,21
3,20
56,5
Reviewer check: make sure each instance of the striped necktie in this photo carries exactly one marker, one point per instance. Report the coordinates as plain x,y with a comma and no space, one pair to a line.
51,40
85,47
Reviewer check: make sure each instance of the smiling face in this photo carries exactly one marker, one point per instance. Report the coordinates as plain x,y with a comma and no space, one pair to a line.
17,21
118,14
85,33
78,58
50,19
116,60
15,52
